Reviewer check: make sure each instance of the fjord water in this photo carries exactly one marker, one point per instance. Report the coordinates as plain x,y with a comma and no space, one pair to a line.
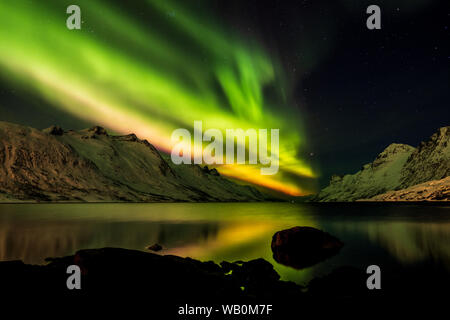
395,237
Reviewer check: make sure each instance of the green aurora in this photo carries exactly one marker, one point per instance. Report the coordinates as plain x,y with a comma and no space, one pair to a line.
151,69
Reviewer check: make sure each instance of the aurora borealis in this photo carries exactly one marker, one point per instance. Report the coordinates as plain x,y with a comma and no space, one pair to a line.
151,78
338,92
335,115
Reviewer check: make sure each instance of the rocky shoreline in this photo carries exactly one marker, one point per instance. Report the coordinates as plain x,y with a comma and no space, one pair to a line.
171,278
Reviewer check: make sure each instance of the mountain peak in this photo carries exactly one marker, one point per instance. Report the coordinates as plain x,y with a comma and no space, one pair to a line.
397,148
91,165
399,166
393,151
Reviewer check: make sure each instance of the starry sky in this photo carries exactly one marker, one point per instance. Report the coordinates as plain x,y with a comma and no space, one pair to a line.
338,92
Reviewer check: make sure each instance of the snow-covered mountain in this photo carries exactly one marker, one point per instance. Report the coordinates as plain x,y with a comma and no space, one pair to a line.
398,167
430,161
91,165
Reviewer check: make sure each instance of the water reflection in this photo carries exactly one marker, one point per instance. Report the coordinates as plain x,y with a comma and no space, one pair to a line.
409,242
400,235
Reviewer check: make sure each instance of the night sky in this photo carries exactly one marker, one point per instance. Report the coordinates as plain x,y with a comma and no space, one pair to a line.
360,89
339,93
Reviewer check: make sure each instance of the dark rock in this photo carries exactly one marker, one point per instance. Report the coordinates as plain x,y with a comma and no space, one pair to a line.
205,169
259,269
98,131
155,247
128,137
302,247
54,130
162,278
214,172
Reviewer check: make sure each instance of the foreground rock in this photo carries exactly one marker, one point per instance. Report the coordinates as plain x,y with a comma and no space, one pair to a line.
91,165
113,277
398,167
114,271
302,247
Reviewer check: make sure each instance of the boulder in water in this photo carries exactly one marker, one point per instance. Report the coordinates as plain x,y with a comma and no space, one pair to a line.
302,247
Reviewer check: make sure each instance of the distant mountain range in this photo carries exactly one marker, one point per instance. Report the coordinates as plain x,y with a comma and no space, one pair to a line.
399,173
91,165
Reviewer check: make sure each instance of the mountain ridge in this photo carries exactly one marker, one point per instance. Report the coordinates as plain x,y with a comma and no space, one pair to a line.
397,167
92,166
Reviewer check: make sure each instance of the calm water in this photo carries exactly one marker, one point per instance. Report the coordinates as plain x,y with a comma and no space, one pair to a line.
394,237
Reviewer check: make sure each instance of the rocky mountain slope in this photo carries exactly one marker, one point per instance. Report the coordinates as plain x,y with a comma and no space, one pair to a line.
398,167
90,165
436,190
430,161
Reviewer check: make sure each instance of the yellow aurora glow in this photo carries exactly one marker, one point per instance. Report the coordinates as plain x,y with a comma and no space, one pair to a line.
124,75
